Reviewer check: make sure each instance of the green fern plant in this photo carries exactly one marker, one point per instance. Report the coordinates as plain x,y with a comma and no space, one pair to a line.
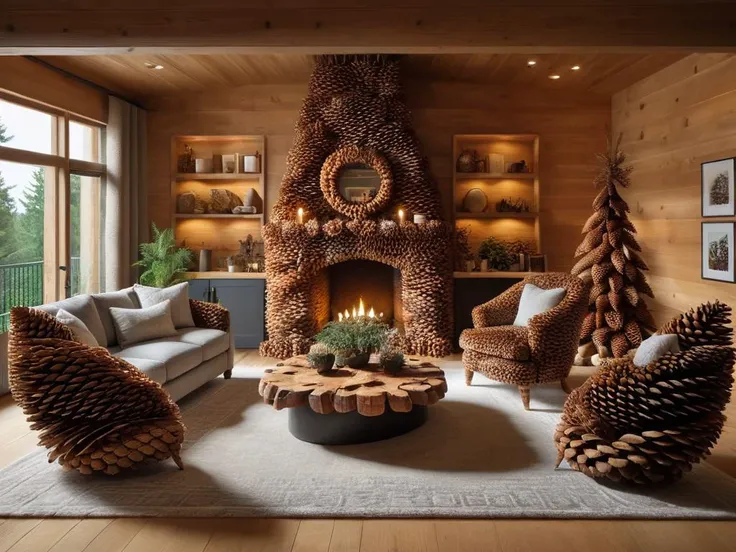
162,261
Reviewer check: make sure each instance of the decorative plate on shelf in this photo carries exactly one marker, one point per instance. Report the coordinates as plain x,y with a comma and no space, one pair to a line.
475,201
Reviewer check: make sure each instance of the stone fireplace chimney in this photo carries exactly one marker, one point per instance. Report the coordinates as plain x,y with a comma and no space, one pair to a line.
354,164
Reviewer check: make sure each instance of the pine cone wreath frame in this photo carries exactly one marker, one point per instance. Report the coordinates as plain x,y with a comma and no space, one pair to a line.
94,412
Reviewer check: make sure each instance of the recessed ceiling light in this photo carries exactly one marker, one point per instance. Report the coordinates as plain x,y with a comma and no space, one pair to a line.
575,68
531,62
554,77
155,66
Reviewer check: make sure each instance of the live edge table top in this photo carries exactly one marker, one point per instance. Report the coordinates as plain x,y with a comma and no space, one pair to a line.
292,383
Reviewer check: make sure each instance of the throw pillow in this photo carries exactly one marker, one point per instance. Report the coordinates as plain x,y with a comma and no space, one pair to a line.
83,307
79,329
178,294
535,300
123,299
136,325
655,347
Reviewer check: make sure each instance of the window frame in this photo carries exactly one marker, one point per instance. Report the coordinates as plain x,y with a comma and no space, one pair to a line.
57,191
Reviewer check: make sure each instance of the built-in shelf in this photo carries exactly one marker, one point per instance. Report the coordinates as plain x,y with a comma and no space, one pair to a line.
180,177
497,176
224,275
495,274
495,215
216,216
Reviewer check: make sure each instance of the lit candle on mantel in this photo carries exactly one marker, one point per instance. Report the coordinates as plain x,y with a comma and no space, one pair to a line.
300,215
401,216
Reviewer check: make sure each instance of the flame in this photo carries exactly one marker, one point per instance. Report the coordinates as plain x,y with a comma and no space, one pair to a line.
361,307
358,312
371,313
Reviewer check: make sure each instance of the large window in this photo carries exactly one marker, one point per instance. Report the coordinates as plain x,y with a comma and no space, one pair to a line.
51,171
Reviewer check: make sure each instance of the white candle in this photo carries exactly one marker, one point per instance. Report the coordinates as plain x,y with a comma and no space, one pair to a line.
401,216
300,215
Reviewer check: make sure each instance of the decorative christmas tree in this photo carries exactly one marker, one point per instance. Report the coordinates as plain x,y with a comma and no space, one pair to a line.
618,316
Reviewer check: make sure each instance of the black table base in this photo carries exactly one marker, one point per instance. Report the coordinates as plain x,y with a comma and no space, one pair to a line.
352,428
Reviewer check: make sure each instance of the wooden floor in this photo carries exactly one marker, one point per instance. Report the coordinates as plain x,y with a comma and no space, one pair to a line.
328,535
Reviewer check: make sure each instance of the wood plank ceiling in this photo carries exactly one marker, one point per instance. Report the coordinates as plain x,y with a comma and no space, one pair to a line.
131,75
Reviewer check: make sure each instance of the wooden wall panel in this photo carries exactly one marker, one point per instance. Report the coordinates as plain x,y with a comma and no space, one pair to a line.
572,131
671,122
32,80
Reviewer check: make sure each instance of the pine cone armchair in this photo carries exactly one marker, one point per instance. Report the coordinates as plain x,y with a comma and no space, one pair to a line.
94,412
651,424
541,352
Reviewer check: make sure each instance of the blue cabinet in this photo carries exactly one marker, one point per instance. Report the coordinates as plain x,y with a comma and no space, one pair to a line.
246,301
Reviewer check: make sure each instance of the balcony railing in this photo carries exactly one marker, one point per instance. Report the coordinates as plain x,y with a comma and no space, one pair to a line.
21,285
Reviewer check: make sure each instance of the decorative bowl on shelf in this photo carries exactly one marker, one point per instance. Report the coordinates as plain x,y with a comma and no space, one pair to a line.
475,201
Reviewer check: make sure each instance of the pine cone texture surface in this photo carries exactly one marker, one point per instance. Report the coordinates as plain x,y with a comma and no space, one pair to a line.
94,412
709,324
651,424
609,253
355,112
552,337
210,315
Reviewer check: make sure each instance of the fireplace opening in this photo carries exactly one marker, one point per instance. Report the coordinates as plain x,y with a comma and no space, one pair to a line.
375,286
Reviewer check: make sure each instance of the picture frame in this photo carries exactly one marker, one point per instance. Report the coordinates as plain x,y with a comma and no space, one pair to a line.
717,251
717,187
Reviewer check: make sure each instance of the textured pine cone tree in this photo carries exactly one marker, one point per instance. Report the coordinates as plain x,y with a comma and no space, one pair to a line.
618,318
708,324
93,411
651,424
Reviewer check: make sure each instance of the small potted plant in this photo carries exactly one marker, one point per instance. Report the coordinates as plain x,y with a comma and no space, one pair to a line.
353,340
391,359
496,253
321,358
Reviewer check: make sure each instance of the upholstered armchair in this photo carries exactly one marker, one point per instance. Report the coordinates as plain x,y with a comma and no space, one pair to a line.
540,352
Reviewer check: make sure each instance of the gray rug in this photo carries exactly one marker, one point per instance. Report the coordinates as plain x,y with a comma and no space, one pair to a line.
480,455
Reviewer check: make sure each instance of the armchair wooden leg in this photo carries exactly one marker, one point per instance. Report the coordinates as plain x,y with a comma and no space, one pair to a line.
565,386
468,376
227,374
525,391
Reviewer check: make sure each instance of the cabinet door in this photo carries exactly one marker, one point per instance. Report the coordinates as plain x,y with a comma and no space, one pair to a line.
198,289
246,301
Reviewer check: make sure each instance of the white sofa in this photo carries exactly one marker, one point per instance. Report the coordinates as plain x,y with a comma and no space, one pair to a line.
180,363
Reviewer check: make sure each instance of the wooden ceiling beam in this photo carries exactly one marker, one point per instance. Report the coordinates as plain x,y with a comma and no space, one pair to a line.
40,27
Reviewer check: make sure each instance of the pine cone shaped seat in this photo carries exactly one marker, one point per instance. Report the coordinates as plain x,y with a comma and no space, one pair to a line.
651,424
94,412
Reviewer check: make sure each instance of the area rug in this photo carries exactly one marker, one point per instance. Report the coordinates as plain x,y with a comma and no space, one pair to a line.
480,455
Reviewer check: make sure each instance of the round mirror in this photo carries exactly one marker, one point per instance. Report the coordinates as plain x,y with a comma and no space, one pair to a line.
358,182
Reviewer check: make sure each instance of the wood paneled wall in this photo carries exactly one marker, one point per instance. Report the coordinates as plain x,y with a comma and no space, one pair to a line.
572,131
671,122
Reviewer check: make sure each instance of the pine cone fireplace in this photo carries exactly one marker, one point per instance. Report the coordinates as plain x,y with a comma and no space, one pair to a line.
354,164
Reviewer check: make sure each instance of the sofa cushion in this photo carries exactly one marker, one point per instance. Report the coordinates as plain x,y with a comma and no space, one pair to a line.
154,369
213,342
535,300
83,307
123,299
79,329
178,357
138,325
507,342
178,294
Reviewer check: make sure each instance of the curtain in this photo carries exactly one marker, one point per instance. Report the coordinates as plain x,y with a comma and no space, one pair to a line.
125,213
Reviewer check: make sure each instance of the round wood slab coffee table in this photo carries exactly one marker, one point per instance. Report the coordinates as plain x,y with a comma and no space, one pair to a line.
349,405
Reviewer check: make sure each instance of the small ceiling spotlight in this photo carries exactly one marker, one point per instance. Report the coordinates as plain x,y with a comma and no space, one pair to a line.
554,77
575,68
531,62
155,66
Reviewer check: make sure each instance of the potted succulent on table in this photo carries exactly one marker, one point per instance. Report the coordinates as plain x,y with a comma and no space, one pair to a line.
390,358
352,341
321,358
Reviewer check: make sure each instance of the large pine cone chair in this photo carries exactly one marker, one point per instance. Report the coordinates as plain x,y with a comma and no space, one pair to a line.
541,352
651,424
95,412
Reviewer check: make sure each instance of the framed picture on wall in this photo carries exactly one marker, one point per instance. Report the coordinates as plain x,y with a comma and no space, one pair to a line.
717,186
717,244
